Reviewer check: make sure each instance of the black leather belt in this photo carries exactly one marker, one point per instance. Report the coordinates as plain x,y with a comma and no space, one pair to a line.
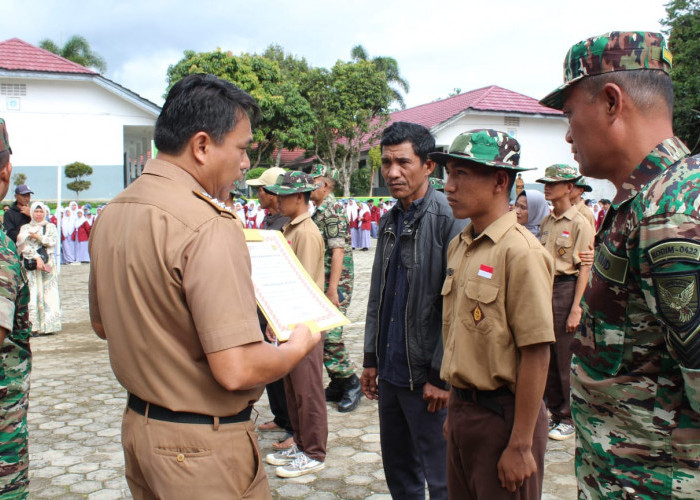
565,277
486,399
183,417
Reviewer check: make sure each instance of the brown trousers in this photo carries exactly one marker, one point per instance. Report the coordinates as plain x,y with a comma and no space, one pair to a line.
197,461
306,404
476,438
557,392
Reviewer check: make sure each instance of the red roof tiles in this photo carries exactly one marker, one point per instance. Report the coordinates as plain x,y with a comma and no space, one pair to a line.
18,55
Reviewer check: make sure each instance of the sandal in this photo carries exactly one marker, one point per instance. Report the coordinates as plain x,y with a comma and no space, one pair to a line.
285,442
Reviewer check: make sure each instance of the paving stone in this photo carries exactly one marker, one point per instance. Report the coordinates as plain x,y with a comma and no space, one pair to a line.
67,479
86,487
106,495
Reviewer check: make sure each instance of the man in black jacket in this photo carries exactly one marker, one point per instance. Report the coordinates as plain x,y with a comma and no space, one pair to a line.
18,214
403,329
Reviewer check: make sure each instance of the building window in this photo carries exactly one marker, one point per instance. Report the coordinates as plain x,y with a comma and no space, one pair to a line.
13,89
511,121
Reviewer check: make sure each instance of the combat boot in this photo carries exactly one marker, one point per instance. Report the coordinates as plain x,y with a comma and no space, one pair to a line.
351,395
335,390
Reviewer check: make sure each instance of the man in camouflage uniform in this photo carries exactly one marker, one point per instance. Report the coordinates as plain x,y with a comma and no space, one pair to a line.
636,370
339,270
15,355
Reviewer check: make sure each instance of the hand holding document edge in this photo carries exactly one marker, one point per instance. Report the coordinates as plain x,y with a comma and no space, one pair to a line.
281,284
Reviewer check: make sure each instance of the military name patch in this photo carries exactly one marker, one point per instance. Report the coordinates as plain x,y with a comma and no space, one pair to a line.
677,250
677,301
610,266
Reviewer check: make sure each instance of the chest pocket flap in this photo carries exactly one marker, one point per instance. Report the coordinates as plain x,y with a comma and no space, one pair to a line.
481,291
447,285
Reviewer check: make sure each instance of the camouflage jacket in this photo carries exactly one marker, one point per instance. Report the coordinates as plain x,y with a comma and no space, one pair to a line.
636,368
333,225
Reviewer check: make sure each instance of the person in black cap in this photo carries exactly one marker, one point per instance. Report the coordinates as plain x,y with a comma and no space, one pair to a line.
18,214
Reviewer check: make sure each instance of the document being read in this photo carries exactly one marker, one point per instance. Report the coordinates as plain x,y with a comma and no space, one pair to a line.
285,292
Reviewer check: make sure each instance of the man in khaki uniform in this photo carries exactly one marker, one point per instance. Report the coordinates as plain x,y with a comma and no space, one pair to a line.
306,399
497,327
576,199
172,294
565,233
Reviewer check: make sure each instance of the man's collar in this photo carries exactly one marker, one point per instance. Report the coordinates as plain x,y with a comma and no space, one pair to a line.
494,231
299,218
162,168
569,213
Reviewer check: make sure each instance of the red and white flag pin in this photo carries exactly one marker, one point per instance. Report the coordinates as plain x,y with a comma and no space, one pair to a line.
485,271
565,234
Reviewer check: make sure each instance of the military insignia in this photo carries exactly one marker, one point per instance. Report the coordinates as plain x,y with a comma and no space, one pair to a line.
562,251
677,301
333,230
674,250
477,314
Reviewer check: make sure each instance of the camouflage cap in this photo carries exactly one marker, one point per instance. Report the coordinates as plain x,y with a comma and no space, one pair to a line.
615,51
559,173
486,147
325,171
438,184
4,141
268,177
584,185
292,183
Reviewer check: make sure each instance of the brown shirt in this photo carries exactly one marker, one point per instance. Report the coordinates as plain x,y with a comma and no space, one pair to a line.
565,237
306,241
170,281
586,212
497,297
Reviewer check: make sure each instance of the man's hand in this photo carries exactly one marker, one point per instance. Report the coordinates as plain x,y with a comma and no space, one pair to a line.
24,209
574,319
270,334
436,397
369,383
587,256
515,466
332,294
303,338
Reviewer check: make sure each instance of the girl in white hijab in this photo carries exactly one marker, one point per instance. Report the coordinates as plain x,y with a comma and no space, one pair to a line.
81,235
67,243
364,226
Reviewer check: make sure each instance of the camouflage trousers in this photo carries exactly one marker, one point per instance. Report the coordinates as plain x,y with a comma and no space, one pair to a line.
14,455
335,356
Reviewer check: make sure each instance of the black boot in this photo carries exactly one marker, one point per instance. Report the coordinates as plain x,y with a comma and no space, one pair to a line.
335,390
351,395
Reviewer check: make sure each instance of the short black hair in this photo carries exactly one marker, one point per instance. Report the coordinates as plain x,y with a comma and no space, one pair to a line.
307,196
201,103
420,138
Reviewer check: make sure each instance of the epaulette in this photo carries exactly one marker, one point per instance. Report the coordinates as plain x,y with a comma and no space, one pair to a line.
220,206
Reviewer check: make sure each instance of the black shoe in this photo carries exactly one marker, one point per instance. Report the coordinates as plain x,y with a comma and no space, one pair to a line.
335,390
351,396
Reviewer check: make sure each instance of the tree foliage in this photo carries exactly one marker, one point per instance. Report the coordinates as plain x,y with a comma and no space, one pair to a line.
18,179
76,49
360,182
390,67
77,171
683,28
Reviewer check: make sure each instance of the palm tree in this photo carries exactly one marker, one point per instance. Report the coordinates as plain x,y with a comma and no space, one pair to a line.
389,67
76,49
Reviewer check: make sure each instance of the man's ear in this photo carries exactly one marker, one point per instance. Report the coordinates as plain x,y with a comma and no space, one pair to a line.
430,166
6,173
199,146
612,95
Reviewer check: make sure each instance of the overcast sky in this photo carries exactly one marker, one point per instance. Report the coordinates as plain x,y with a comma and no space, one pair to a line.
439,45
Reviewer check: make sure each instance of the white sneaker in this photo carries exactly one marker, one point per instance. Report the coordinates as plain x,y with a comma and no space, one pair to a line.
300,465
562,432
283,457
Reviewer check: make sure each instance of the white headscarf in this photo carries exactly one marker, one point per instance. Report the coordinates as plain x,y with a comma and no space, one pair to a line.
67,223
364,208
351,210
80,219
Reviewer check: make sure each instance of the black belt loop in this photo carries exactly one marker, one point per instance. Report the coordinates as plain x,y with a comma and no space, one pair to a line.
155,412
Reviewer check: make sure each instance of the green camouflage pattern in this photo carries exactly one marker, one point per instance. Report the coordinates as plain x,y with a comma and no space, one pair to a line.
15,366
484,146
559,173
324,171
615,51
636,368
437,184
292,183
582,183
332,222
4,140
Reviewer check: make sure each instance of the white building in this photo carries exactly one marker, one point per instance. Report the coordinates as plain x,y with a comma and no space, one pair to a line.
58,112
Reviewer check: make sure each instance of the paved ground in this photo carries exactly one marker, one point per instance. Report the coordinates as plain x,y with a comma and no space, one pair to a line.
76,406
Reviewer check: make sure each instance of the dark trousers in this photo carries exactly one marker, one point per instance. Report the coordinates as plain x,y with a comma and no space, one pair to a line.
557,393
476,438
306,403
278,404
413,447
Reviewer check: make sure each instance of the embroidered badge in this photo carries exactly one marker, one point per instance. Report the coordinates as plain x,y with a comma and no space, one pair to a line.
333,230
477,314
562,251
677,300
485,271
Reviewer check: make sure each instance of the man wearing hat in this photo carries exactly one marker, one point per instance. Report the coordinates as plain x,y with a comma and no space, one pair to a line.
306,402
15,355
579,188
339,269
497,327
565,233
18,215
636,368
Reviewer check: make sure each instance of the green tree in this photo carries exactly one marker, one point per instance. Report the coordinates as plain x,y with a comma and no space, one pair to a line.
76,49
77,171
374,161
19,179
683,29
360,181
390,67
287,120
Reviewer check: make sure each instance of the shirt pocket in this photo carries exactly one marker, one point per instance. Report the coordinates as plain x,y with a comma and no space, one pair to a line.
562,246
447,301
481,305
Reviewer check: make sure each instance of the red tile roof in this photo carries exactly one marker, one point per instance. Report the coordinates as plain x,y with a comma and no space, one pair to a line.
18,55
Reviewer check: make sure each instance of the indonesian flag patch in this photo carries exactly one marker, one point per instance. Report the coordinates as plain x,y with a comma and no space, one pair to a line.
485,271
565,234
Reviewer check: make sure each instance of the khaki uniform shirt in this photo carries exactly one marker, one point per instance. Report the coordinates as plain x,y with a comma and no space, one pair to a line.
497,297
307,243
586,212
564,237
170,282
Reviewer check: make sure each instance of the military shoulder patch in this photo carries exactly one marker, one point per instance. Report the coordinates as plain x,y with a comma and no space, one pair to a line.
333,230
678,303
674,250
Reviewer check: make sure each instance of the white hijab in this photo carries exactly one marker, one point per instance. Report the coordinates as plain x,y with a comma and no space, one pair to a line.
80,219
364,208
67,223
